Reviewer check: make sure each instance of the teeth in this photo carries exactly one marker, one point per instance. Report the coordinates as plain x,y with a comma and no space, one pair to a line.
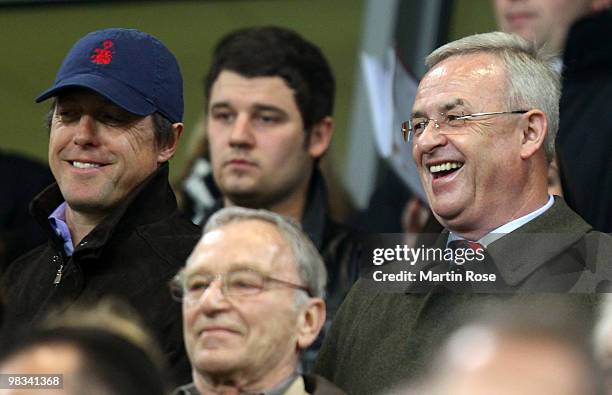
83,165
445,167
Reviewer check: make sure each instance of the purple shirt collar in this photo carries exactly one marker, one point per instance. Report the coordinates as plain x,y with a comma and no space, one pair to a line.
57,219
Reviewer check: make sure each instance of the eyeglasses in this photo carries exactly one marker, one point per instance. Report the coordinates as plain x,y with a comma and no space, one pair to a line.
241,282
414,128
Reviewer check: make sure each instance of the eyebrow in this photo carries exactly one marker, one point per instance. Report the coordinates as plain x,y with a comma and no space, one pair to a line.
443,107
255,107
232,267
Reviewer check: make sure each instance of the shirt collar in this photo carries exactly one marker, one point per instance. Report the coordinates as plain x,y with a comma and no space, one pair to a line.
287,386
57,219
507,228
279,389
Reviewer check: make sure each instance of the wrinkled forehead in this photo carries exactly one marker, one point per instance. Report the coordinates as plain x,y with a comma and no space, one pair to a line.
250,244
474,82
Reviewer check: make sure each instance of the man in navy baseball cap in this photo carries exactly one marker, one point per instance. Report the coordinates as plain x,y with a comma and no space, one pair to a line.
131,69
112,218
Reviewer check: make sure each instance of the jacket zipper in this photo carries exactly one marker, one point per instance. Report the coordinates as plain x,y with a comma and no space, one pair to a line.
58,275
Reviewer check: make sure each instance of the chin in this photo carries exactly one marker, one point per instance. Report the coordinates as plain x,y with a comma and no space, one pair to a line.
237,189
244,198
215,364
445,213
84,204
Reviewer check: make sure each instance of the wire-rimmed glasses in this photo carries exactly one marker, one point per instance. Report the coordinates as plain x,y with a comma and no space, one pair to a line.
239,282
447,124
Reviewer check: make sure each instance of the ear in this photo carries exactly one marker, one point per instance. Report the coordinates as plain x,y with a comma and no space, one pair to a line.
534,129
320,137
310,322
166,152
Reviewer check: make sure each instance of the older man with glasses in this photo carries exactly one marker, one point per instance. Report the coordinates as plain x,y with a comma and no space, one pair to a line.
482,131
252,294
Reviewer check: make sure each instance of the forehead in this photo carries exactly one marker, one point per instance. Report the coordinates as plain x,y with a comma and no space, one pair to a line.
46,357
235,88
476,81
252,243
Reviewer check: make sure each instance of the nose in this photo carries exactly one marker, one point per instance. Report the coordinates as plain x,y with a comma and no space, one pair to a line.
430,139
86,132
213,299
241,133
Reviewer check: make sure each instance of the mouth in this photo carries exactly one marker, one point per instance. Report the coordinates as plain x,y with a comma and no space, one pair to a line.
519,17
217,330
84,165
240,163
444,169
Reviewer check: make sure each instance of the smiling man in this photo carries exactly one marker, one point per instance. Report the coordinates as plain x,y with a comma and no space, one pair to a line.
112,219
252,294
482,131
482,162
270,96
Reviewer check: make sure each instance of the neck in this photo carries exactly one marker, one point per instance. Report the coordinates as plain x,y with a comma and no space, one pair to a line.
235,383
80,224
291,207
527,206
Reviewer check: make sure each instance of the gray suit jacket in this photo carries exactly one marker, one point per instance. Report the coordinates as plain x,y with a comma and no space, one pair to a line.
380,338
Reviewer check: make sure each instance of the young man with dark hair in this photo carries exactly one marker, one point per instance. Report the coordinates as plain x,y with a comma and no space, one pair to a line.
269,96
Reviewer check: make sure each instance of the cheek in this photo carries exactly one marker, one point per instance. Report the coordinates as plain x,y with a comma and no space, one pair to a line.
279,153
137,144
190,315
416,155
189,319
57,140
215,145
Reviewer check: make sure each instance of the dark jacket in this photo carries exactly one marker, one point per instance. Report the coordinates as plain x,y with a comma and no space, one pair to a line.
131,254
584,141
380,338
337,245
22,179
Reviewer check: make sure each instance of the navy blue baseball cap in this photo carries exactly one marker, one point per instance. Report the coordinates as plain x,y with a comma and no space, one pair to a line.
130,68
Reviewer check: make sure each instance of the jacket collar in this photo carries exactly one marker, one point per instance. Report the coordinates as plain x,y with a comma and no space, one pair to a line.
149,202
521,252
315,211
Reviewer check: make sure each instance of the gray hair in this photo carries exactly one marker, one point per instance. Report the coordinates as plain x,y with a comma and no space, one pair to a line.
532,79
310,266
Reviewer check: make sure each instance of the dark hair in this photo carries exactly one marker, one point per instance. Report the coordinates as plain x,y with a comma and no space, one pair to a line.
274,51
162,127
108,362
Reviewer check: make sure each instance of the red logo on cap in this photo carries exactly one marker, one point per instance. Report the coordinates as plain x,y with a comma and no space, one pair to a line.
103,55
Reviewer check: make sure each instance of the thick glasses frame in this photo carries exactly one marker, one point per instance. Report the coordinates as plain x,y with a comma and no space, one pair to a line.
408,127
179,292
